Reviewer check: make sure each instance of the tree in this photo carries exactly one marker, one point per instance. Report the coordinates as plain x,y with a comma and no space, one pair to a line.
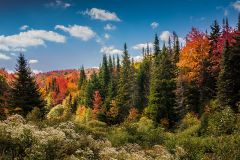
82,78
156,47
209,65
4,88
124,86
97,102
162,90
104,76
25,93
193,71
229,79
143,82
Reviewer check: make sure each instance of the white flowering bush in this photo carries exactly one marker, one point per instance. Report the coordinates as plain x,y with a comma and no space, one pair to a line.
20,139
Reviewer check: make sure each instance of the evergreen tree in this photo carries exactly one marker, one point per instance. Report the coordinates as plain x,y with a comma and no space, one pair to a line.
156,46
162,87
143,81
104,76
92,86
82,78
229,79
211,85
124,86
25,93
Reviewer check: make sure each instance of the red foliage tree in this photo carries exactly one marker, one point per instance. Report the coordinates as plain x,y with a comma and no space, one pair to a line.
97,102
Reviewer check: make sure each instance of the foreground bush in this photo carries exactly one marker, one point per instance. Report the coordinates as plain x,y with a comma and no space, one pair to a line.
22,140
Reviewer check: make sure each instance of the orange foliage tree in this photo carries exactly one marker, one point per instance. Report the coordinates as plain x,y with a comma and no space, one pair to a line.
193,54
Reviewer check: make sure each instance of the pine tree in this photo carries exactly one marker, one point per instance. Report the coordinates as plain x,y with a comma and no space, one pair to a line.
124,86
162,87
25,93
211,85
104,76
229,79
156,46
92,85
82,78
143,82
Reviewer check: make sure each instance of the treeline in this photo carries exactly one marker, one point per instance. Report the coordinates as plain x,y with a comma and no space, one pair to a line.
170,81
167,84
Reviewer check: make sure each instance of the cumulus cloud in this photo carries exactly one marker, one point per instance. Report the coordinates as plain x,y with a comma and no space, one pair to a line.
111,50
100,14
109,27
19,42
83,32
236,5
33,61
154,25
106,36
165,36
58,4
24,27
142,45
4,57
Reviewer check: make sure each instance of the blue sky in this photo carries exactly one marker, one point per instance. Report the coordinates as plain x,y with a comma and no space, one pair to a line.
64,34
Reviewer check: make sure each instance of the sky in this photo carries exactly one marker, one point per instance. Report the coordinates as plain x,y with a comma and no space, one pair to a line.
66,34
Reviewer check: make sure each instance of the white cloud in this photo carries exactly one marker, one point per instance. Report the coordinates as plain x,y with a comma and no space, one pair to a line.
236,5
154,25
110,50
59,4
106,36
19,42
4,57
109,27
24,27
35,71
101,14
165,36
83,32
142,45
33,61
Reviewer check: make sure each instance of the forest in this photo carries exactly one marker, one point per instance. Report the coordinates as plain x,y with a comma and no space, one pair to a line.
181,101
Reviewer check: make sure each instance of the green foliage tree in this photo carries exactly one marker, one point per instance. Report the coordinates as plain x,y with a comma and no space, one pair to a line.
162,87
143,82
124,86
156,46
82,78
229,79
25,93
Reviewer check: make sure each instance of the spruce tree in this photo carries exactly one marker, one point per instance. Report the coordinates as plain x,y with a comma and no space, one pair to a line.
25,93
229,79
162,87
143,81
156,46
104,76
82,78
124,86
